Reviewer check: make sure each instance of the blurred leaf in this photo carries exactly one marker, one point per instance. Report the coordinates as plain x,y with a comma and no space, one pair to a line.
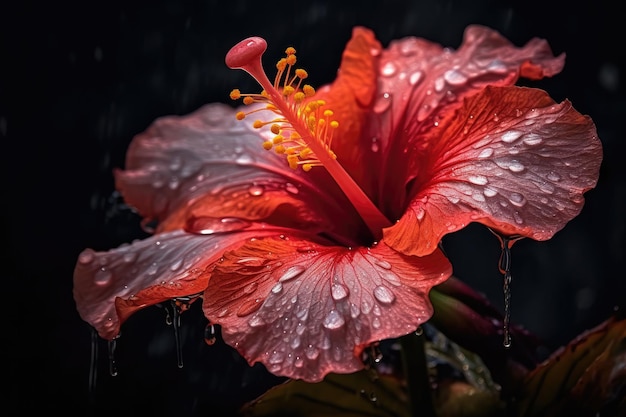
360,394
460,399
585,378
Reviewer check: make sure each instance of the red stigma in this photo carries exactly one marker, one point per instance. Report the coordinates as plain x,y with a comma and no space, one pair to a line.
246,53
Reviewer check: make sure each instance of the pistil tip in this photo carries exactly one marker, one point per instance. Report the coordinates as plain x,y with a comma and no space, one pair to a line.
246,52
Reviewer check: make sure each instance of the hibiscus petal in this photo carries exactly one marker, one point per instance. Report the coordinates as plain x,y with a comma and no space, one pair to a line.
110,286
510,158
210,164
418,78
304,309
351,95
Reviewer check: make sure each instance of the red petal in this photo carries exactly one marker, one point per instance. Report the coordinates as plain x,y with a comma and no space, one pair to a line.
304,310
110,286
510,158
350,97
418,79
209,164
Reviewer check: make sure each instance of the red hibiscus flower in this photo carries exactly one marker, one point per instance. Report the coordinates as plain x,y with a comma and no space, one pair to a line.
326,241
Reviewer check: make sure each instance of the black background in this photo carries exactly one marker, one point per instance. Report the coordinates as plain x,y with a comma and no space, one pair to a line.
79,79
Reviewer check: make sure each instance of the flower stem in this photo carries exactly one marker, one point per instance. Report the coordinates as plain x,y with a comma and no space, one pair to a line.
416,375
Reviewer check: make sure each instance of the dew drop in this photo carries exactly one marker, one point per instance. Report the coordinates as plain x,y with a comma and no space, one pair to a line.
489,192
255,321
129,257
415,78
388,69
382,103
311,352
517,199
103,276
376,323
511,136
375,146
553,176
333,320
176,265
291,273
455,77
478,179
291,188
384,295
244,159
485,153
532,139
211,225
276,289
420,213
152,269
339,292
516,166
256,190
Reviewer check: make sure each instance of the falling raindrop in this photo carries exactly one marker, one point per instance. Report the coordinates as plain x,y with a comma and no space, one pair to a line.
210,334
504,265
176,326
93,364
112,344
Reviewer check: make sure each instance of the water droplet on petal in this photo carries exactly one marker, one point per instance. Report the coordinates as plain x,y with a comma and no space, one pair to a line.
511,136
176,265
517,199
375,147
478,179
255,321
516,166
244,159
383,264
485,153
415,78
339,292
256,190
277,288
384,295
333,320
382,103
553,176
532,139
291,188
454,77
250,288
388,69
489,192
311,352
211,225
102,276
291,273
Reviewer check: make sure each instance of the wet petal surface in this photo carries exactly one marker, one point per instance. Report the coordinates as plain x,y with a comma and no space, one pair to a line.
510,158
304,310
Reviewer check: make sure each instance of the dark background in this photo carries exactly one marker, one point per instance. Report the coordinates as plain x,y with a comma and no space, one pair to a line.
79,79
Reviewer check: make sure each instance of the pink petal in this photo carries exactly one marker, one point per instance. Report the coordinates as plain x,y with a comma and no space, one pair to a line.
417,79
110,286
210,164
304,309
510,158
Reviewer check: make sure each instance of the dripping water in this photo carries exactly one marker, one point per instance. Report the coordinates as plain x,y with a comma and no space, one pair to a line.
504,265
210,334
112,344
175,321
93,366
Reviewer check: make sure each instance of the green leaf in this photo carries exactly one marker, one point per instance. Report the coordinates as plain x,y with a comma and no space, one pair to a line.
361,394
585,378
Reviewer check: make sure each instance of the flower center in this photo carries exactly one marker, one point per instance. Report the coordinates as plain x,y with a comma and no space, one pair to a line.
303,126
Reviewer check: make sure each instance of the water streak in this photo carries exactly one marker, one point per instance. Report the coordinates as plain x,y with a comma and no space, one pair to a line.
504,265
93,366
176,325
112,365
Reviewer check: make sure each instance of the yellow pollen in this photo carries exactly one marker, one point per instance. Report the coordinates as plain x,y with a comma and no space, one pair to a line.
301,125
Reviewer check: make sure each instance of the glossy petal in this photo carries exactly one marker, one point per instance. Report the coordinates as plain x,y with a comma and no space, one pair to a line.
417,79
351,96
209,164
510,158
110,286
304,309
